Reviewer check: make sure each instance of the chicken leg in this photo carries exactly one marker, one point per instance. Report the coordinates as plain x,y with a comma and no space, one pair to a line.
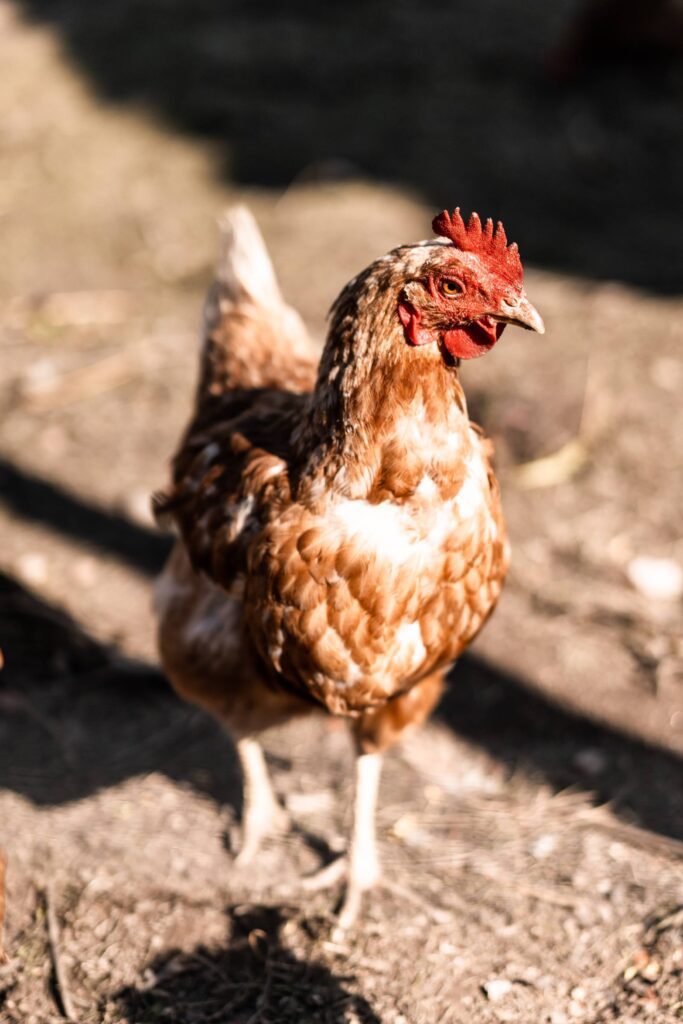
262,815
363,863
360,866
374,732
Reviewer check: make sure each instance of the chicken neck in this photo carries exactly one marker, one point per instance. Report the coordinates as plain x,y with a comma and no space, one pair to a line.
377,395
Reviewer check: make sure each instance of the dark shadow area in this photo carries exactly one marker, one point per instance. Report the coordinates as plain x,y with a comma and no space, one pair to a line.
75,717
457,101
39,501
254,978
527,732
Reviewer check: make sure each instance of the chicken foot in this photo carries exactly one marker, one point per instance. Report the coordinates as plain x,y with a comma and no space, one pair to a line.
262,815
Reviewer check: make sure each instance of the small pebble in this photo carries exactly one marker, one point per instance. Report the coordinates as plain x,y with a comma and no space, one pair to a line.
639,961
32,568
651,970
658,579
497,988
651,1002
543,847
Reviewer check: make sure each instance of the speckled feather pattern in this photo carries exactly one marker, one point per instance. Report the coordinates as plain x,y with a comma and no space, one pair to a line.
341,538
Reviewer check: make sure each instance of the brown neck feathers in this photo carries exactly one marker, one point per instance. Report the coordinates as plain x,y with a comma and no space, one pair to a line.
370,379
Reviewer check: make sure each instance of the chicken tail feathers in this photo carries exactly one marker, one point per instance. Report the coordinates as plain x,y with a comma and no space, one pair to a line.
245,272
252,338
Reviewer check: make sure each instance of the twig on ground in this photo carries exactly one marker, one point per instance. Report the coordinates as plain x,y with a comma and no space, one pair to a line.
438,915
61,981
553,469
565,463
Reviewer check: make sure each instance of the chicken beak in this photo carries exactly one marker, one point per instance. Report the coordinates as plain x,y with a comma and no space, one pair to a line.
521,314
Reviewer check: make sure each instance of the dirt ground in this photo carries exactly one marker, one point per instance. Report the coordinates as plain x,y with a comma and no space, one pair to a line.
536,825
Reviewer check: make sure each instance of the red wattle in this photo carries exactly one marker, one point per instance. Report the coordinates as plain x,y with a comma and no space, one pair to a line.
473,341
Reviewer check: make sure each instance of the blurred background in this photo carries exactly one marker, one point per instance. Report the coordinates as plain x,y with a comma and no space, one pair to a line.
539,818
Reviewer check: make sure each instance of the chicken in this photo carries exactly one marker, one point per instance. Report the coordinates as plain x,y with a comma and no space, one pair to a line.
340,532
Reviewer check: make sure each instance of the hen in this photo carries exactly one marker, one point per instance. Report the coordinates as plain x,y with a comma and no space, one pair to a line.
340,533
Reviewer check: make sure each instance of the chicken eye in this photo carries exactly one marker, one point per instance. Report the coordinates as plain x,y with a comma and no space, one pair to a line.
450,287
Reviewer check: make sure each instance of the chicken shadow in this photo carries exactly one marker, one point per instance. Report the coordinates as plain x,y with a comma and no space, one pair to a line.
254,977
46,504
526,731
452,100
76,717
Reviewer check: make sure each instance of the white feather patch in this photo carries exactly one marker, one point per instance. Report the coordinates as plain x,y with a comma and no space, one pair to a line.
382,526
409,644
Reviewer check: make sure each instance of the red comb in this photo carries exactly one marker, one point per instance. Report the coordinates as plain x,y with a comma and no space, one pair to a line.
483,241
